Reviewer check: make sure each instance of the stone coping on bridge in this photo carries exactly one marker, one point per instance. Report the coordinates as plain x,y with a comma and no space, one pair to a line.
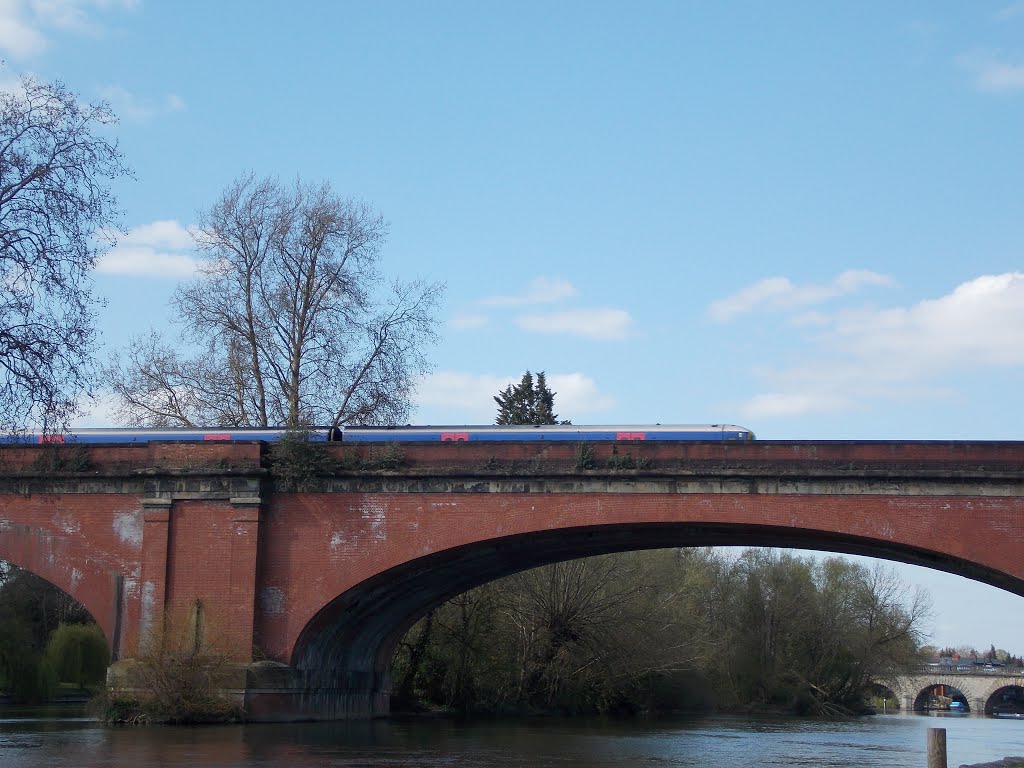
967,458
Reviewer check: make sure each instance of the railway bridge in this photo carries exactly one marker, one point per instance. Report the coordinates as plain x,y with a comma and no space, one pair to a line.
313,564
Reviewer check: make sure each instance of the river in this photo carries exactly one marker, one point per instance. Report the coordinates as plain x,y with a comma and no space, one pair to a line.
894,741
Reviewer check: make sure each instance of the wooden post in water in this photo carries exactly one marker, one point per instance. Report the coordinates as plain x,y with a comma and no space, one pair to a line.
936,748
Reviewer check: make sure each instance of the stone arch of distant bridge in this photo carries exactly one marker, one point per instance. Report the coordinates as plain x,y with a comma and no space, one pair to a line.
980,691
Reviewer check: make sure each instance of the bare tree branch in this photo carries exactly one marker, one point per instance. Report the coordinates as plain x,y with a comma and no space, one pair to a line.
288,315
56,216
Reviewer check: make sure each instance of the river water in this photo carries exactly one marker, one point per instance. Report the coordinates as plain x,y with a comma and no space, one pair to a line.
892,741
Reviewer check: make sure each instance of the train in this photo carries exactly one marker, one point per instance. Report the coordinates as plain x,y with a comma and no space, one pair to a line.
403,434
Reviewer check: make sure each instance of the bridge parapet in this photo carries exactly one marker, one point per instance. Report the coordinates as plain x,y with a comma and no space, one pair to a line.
861,459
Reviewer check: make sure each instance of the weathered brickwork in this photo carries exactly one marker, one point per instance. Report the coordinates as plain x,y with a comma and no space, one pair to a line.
332,575
319,546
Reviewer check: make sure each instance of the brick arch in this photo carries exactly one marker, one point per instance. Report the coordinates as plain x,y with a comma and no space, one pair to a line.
349,561
55,560
351,640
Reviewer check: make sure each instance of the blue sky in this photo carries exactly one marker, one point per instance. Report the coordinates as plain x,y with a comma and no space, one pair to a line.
805,218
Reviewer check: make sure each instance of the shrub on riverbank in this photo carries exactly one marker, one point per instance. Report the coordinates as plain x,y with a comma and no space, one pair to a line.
178,675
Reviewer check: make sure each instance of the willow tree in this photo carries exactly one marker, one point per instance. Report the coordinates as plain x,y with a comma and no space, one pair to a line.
287,322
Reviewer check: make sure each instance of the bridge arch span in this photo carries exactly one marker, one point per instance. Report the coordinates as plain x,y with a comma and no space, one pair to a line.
351,639
73,567
1006,698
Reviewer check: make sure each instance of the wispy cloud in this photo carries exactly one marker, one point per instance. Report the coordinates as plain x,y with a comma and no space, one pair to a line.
159,249
100,410
465,321
993,71
1011,11
603,323
775,294
598,324
20,37
468,398
25,24
543,290
901,352
139,109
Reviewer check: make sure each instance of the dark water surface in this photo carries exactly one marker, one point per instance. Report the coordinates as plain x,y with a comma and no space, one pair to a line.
893,741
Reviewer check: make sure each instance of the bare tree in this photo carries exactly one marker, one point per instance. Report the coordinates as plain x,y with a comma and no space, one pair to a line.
56,216
286,320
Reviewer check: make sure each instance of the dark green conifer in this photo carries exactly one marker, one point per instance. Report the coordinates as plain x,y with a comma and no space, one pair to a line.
529,402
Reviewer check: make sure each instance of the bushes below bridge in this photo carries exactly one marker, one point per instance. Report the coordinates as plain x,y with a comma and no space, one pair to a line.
49,646
181,673
666,630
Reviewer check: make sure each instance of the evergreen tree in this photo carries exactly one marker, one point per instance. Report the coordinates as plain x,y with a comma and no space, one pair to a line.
529,402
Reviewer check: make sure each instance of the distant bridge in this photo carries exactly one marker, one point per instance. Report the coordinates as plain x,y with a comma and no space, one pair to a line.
981,692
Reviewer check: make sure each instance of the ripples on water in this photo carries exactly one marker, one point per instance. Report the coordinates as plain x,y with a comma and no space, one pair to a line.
894,741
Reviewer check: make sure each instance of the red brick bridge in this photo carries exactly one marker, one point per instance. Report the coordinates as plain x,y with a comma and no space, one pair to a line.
312,580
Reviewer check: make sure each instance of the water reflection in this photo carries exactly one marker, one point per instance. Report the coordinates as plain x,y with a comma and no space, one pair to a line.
894,741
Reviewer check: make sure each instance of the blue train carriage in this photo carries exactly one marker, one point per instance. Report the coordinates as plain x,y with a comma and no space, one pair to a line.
454,433
166,434
559,432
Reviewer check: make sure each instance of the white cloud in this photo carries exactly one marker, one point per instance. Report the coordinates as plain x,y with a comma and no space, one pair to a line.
467,396
463,322
979,324
602,323
24,23
457,397
993,71
577,395
63,14
1011,11
138,109
10,84
164,233
599,324
19,37
903,352
174,103
158,249
781,294
782,404
98,411
541,291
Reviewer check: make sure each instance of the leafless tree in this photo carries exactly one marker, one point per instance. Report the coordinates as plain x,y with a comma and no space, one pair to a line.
56,215
286,320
